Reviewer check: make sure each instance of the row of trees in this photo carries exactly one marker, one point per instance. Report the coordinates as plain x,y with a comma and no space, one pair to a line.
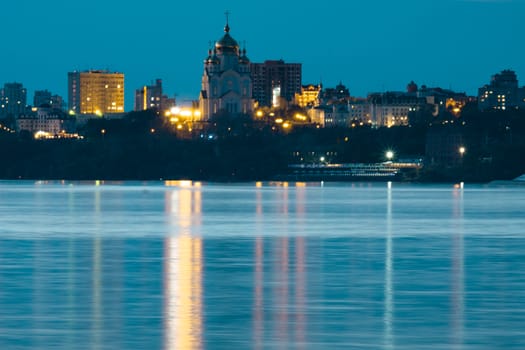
144,147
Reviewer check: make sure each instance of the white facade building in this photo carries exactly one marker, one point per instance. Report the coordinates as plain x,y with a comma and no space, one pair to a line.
393,108
44,121
226,81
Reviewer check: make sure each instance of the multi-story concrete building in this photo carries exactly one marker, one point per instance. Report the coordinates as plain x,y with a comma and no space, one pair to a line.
338,108
318,114
338,94
355,112
359,110
502,93
41,97
13,100
393,108
97,92
46,98
443,99
226,81
521,98
152,96
45,121
276,82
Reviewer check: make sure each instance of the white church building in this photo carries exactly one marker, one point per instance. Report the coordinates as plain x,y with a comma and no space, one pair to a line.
226,81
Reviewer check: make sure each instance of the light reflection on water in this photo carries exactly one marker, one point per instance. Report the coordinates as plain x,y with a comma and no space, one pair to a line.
183,271
182,265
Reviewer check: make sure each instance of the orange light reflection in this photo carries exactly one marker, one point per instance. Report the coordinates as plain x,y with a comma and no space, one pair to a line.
183,269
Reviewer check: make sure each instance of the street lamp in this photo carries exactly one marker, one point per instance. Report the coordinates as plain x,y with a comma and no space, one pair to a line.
462,150
389,155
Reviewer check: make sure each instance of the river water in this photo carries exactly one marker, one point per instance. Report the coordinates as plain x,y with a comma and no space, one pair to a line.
185,265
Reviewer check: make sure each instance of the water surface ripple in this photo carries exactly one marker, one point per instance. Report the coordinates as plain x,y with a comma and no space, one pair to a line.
185,265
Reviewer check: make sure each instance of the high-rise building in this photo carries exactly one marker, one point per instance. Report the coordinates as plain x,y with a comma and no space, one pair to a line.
226,81
97,92
521,97
13,99
274,81
57,102
501,94
151,96
46,98
41,98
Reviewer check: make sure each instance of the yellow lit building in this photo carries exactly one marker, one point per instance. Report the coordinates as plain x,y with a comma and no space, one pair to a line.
97,92
455,106
309,96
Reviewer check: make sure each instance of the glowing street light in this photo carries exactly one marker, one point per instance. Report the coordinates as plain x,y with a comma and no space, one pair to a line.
300,117
462,150
389,155
186,113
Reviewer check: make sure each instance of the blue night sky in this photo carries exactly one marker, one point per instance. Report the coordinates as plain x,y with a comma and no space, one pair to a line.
372,45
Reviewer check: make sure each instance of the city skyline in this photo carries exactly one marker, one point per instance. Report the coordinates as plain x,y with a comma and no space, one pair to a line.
373,46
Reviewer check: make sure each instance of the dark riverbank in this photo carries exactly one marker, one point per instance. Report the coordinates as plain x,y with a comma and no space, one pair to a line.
235,159
129,150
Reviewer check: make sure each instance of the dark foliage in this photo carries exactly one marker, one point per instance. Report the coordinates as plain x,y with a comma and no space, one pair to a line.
142,147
